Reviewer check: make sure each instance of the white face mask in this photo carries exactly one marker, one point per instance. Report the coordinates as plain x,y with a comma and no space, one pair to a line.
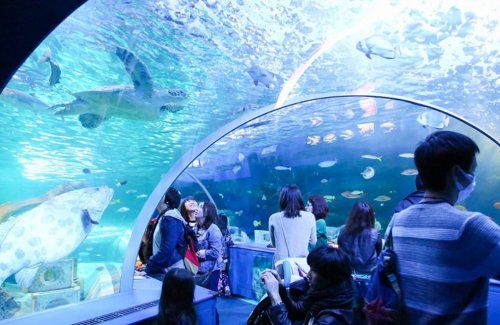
466,189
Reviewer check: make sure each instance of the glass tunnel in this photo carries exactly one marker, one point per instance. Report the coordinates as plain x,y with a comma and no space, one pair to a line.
227,101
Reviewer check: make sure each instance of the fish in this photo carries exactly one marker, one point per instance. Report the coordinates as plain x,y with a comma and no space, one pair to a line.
382,198
369,106
55,70
327,163
368,173
324,180
121,182
379,158
388,126
22,100
406,155
257,223
349,114
49,232
115,201
268,150
263,76
389,105
433,119
496,205
241,157
123,210
130,191
379,46
461,207
346,134
313,140
357,192
329,138
316,121
350,195
264,198
329,198
239,213
366,128
282,168
196,163
221,195
409,172
141,196
86,171
236,169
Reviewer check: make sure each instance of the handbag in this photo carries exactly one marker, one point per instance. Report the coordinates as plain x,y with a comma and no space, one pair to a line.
191,261
291,268
384,296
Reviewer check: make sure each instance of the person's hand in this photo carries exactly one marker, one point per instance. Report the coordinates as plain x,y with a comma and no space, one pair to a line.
274,273
201,253
272,286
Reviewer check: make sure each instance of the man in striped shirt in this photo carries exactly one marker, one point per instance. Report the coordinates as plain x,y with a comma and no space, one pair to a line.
446,256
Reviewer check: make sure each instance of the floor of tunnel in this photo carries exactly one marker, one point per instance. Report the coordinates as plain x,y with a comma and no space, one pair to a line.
234,310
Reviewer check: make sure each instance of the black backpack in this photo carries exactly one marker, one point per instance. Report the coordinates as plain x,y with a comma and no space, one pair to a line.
146,249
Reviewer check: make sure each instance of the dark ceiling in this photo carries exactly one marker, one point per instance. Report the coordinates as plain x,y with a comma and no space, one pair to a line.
23,25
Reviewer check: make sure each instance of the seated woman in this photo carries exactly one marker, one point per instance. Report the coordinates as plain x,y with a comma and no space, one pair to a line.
329,295
210,247
316,204
168,238
292,229
176,301
359,238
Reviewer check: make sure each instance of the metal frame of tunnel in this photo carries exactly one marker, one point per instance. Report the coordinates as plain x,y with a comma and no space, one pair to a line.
127,278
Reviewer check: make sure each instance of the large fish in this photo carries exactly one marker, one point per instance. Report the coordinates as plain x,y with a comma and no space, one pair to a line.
263,76
49,232
379,46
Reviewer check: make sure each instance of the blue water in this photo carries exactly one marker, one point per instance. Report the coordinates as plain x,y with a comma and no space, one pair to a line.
447,54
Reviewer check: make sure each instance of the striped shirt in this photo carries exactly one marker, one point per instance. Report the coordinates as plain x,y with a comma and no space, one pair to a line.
446,257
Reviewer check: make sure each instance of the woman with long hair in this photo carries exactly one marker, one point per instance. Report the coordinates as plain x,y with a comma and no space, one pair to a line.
359,238
176,301
210,247
292,229
317,205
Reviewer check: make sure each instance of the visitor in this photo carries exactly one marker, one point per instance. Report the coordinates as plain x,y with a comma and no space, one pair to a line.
359,238
446,256
210,247
189,209
328,293
292,229
227,241
317,205
168,238
176,305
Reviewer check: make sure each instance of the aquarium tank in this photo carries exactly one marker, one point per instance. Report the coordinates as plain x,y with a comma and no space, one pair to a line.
228,101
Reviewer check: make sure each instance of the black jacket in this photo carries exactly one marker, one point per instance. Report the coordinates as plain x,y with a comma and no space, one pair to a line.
329,306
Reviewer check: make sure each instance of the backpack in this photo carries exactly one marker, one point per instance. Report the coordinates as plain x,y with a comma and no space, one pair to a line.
146,248
384,297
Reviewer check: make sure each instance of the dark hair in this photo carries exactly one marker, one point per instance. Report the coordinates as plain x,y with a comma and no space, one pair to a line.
209,213
183,210
360,218
291,201
176,301
172,198
320,208
331,263
222,222
418,183
439,152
